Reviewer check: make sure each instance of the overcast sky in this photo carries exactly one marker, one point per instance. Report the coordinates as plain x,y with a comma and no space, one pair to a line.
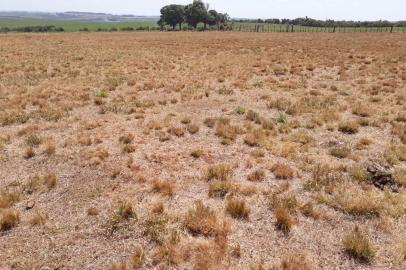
319,9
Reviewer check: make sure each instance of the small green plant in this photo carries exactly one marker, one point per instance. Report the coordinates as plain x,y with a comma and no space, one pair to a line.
257,83
281,119
102,94
239,110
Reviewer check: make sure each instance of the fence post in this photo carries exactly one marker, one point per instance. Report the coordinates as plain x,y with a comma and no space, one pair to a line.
334,29
391,29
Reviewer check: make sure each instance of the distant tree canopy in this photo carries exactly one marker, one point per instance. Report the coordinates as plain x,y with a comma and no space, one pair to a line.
29,29
192,14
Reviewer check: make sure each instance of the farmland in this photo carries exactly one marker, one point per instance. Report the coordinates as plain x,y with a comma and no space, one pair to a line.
215,150
74,26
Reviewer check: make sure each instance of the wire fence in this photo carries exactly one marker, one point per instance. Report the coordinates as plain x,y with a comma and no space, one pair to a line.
312,29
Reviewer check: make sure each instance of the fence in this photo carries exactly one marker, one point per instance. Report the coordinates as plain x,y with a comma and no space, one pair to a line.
298,28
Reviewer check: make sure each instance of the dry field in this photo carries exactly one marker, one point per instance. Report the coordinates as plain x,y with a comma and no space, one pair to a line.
203,151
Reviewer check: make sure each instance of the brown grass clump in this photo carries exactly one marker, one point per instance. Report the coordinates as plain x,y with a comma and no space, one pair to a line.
8,197
50,180
163,187
309,211
135,261
220,172
29,152
197,153
193,128
220,189
255,138
324,177
297,261
226,131
362,110
124,211
357,245
369,203
257,176
9,218
237,209
201,220
126,138
38,219
400,176
340,152
38,182
282,171
284,221
33,140
50,148
349,127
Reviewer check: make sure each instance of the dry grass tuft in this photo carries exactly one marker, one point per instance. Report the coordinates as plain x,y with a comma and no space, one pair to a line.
220,172
282,171
38,219
237,209
349,127
257,176
220,189
357,245
9,218
340,152
284,221
163,187
201,220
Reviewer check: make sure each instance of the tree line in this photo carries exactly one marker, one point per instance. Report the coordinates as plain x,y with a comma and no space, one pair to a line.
35,29
192,14
306,21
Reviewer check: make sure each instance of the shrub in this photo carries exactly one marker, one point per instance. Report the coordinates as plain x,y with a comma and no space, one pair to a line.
237,209
357,245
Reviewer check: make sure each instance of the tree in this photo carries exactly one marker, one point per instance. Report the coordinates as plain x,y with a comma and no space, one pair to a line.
172,15
216,18
196,13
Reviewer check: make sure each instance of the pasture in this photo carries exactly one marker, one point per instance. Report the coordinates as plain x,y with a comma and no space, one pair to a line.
215,150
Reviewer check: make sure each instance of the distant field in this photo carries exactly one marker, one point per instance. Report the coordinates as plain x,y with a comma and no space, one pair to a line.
73,26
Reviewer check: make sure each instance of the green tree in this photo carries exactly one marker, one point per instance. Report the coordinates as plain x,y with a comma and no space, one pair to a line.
196,13
172,15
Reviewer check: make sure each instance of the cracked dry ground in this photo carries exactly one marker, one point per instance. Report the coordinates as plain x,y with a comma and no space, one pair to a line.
202,151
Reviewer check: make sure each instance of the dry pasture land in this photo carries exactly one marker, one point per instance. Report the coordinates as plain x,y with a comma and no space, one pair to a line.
202,151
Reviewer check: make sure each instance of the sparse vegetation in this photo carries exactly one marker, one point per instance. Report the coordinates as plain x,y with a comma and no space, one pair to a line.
106,141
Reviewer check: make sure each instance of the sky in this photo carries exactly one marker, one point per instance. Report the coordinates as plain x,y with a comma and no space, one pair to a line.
319,9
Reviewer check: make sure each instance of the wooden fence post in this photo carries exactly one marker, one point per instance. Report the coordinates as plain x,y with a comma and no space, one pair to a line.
334,29
391,29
